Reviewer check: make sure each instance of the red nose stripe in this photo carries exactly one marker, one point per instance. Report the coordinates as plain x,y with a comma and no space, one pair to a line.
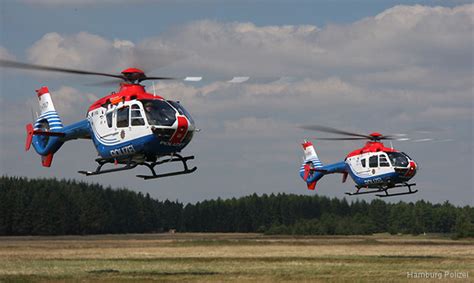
181,131
411,171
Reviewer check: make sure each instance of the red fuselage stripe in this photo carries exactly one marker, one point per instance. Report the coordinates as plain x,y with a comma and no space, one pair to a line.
181,131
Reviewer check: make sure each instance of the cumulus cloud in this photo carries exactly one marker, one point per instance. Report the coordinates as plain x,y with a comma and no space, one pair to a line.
421,56
82,50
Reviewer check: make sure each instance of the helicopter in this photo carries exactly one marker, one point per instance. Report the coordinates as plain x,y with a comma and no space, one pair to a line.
130,127
374,168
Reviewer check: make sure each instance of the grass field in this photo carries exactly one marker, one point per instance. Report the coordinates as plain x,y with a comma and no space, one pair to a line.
231,257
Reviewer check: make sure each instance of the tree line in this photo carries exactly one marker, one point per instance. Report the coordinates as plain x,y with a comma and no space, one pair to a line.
62,207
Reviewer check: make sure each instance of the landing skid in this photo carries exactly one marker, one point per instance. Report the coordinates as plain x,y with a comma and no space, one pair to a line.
384,190
130,164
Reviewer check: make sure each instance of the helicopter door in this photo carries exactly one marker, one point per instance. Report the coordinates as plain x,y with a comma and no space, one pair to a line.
384,164
104,125
374,165
123,122
360,167
136,116
379,164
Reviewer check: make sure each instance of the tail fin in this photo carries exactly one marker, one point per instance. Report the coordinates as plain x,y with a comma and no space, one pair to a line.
309,169
47,111
46,133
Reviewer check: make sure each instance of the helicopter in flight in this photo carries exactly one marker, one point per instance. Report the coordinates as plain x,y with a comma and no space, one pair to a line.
374,167
130,127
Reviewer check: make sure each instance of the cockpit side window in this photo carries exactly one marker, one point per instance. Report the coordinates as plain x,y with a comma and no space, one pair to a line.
159,112
374,161
122,117
136,116
181,110
363,162
398,159
383,161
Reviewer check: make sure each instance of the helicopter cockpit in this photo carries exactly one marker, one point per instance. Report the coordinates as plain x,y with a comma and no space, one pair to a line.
398,159
159,113
163,113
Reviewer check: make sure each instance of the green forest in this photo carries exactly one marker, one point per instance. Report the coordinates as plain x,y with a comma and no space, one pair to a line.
66,207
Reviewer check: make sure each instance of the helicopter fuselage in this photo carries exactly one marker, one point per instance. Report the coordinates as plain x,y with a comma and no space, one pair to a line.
138,124
375,169
373,166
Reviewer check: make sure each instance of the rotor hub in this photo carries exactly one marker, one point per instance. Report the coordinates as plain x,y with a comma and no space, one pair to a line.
133,75
376,136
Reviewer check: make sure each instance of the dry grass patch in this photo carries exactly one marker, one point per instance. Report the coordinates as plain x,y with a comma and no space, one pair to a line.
238,257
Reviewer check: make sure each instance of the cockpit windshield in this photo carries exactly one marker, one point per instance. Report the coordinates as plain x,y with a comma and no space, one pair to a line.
159,112
181,110
398,159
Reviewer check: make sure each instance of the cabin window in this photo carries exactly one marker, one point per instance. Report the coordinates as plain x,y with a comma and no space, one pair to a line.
363,162
108,117
136,116
374,161
383,161
122,117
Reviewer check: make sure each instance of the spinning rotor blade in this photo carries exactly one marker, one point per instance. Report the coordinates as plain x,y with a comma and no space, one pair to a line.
26,66
332,131
157,78
339,139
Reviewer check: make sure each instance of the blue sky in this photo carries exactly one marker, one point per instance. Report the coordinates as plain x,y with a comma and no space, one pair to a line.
388,66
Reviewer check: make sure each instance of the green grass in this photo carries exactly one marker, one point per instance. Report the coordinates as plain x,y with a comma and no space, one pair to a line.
229,257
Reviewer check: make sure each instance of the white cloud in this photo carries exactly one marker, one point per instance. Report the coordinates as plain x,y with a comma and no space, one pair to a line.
5,54
405,60
82,50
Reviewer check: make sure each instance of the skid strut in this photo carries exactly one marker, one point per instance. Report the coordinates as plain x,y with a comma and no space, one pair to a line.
174,158
384,190
130,164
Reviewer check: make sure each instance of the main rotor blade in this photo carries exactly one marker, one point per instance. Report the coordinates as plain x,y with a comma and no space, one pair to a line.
387,137
26,66
332,131
339,139
157,78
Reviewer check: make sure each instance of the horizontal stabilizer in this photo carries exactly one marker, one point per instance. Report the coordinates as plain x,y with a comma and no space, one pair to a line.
318,170
46,133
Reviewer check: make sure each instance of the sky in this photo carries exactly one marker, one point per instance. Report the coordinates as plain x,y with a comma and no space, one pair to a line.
364,66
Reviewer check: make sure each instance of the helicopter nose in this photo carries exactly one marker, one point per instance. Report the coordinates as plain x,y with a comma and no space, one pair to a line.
411,170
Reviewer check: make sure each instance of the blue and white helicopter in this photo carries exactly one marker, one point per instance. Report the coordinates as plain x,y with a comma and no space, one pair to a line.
374,167
130,127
